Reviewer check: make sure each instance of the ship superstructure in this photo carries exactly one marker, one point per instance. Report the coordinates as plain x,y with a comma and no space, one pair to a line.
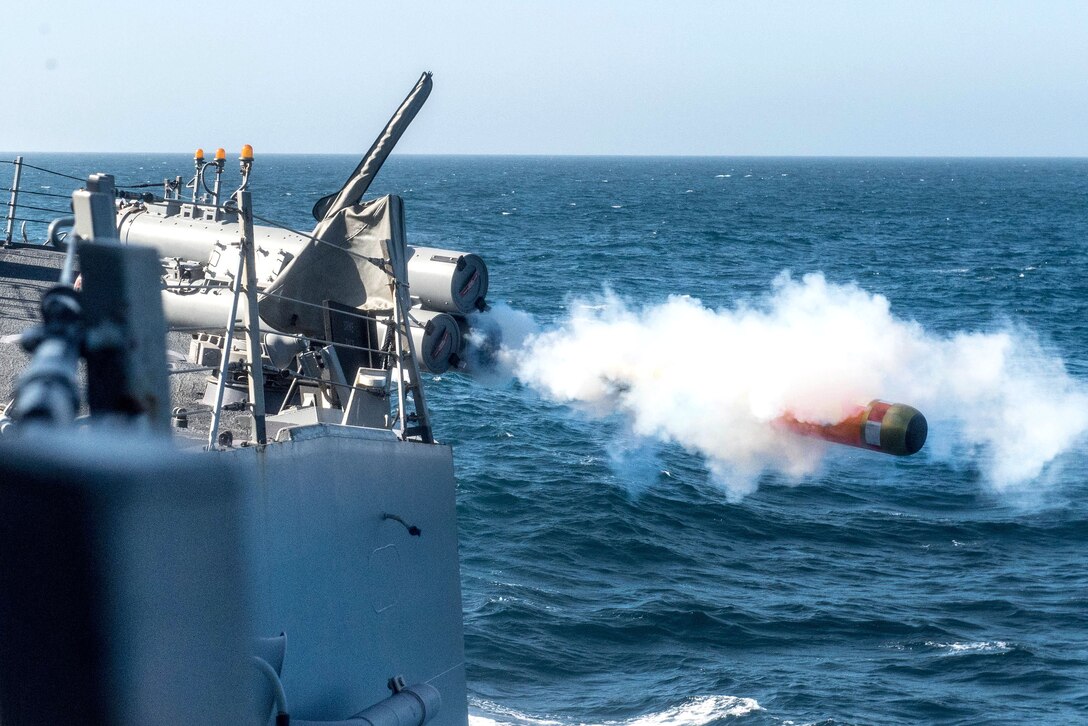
308,573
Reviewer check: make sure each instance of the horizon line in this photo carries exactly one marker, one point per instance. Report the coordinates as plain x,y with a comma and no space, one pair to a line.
593,156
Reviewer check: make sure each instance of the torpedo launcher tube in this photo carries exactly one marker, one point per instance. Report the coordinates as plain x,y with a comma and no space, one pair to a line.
446,280
890,428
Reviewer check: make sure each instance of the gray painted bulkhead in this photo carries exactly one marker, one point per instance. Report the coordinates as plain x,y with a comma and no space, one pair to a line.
360,599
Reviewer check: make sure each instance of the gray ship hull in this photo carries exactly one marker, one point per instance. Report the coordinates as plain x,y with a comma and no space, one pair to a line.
360,599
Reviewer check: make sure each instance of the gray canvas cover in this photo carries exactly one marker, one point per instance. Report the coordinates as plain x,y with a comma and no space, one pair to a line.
355,257
359,181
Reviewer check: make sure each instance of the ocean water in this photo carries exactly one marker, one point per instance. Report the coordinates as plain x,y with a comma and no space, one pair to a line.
619,567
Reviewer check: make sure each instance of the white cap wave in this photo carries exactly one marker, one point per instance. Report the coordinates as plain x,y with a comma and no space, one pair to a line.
694,711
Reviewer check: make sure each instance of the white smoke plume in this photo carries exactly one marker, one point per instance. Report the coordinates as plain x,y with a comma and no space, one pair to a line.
714,381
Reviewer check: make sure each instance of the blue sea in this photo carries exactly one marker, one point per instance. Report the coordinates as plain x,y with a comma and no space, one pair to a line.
620,579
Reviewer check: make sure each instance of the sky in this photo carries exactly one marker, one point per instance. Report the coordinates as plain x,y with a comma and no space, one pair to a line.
677,77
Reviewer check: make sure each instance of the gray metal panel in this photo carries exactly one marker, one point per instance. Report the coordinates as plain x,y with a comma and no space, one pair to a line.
126,346
121,573
93,209
361,600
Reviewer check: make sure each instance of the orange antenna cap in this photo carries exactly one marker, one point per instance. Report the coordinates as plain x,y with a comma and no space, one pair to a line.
220,154
247,153
199,154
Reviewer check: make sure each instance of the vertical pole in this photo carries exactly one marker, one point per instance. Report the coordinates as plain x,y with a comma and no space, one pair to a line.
224,366
402,414
406,358
198,162
250,316
215,189
14,200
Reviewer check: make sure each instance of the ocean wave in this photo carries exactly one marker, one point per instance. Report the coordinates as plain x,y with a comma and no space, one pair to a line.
985,646
695,711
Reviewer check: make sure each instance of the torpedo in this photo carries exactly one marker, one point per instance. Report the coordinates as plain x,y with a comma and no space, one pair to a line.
890,428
